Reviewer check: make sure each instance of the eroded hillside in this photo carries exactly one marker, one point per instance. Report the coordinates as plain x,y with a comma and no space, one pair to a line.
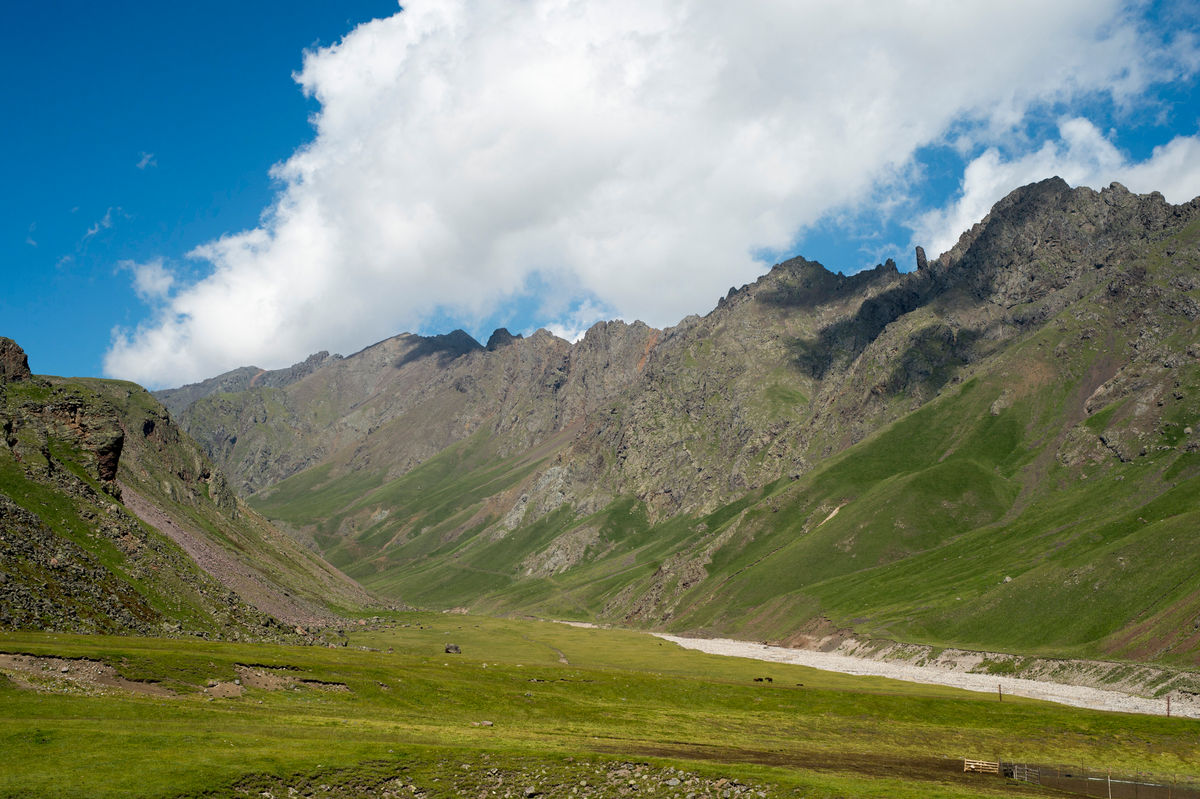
114,521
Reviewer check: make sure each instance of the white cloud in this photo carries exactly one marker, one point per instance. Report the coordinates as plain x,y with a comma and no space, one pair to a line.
103,224
151,281
630,154
1082,156
572,325
146,160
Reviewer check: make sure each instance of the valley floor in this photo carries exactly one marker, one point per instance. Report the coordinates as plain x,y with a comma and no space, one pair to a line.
1182,703
440,706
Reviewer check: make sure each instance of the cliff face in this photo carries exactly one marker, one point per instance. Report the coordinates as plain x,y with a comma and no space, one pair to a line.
817,444
113,521
398,403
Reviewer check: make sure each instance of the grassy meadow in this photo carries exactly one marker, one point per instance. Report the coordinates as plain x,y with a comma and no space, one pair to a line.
565,704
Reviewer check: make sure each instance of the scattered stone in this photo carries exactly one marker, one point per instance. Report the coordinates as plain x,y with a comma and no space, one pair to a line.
453,649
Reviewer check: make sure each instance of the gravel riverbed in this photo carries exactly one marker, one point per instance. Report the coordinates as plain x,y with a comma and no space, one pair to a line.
1076,695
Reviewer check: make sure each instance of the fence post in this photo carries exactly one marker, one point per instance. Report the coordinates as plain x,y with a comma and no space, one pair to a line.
1110,784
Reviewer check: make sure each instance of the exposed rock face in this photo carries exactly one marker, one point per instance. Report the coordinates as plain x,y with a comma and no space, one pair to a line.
65,415
14,365
400,402
790,369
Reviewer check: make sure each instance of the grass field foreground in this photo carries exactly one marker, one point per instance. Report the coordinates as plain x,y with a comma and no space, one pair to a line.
533,700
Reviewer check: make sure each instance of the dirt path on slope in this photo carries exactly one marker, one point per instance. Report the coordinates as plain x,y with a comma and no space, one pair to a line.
226,569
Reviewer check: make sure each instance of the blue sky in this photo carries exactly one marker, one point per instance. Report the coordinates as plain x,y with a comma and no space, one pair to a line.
194,187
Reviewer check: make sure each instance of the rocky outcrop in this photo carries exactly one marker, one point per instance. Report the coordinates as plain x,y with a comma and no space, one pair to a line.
501,338
48,417
87,597
14,365
178,555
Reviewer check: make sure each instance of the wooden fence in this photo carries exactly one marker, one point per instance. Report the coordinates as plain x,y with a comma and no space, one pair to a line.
981,766
1092,782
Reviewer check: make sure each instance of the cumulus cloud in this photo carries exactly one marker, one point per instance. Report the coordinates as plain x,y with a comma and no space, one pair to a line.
573,324
630,156
1082,156
152,281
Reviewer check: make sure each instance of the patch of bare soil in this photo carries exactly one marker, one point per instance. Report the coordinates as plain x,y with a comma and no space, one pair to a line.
69,675
946,771
224,690
281,679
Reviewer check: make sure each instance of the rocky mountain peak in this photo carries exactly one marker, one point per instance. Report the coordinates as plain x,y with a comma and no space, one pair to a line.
1045,236
459,341
806,285
447,346
14,364
501,338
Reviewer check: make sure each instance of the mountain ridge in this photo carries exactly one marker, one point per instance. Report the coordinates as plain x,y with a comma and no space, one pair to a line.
720,475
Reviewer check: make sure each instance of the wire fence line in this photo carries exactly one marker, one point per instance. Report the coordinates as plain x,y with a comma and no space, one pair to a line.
1084,781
